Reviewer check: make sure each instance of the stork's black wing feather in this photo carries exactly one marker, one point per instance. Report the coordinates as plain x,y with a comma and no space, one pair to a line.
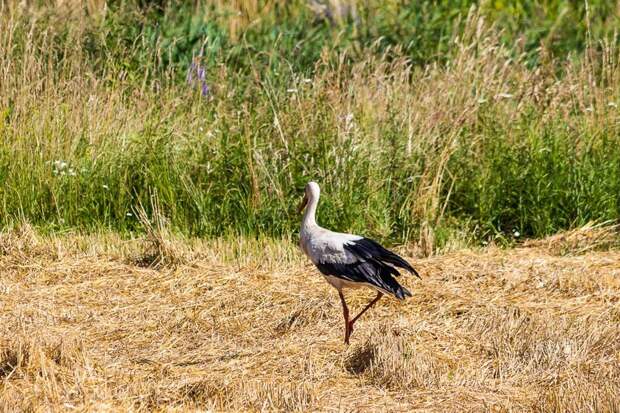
368,249
369,271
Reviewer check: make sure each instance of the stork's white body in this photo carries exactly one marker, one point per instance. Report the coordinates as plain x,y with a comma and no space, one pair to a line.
322,245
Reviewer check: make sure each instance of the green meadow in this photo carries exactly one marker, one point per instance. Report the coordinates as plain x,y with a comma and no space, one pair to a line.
424,122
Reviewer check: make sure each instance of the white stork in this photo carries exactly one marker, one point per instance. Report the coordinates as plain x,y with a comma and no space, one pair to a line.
349,261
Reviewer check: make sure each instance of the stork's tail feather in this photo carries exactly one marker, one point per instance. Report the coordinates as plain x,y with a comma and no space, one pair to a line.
402,293
367,248
414,272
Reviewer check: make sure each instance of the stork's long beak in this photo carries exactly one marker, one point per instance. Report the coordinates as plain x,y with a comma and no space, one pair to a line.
302,205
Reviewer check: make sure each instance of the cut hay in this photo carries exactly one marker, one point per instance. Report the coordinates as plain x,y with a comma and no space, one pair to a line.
592,236
82,327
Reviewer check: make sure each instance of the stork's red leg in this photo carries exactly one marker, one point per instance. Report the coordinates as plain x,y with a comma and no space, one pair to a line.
345,313
379,295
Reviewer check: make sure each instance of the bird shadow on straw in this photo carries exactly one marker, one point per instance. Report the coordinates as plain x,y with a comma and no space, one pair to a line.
361,358
364,355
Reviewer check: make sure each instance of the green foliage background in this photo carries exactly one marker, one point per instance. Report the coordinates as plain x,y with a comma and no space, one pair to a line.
432,120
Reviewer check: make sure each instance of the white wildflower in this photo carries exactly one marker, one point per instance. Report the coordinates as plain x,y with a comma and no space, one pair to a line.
60,168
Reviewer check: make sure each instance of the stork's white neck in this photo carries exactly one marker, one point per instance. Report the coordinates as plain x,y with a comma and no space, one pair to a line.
309,219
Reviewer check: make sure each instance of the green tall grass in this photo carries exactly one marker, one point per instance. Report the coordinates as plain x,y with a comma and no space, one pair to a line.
431,122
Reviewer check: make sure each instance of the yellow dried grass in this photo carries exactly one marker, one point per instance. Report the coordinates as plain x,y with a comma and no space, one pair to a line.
592,236
83,327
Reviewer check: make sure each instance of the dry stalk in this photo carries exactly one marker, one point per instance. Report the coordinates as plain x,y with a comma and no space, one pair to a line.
159,250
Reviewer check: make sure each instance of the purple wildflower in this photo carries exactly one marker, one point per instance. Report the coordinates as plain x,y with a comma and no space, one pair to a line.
196,77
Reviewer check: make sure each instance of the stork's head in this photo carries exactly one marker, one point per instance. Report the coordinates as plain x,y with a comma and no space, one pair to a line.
312,192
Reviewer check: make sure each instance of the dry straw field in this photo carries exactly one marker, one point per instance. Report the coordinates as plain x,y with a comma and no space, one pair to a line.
98,323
